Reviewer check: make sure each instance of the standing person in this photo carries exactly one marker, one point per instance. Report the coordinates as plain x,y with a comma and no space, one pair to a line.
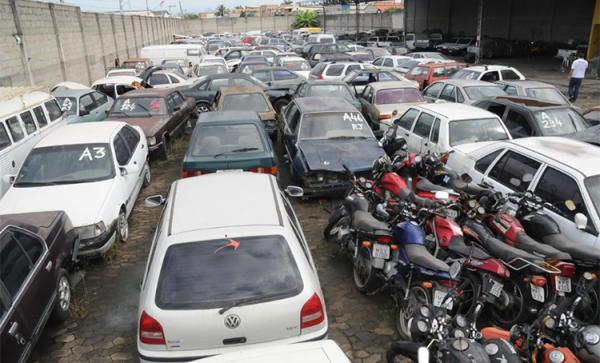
576,76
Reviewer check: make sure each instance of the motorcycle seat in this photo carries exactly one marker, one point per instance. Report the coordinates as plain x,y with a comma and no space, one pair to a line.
578,251
528,244
425,185
459,246
418,255
366,222
508,253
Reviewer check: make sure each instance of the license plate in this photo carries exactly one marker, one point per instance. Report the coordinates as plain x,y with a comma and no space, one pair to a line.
230,171
496,288
563,284
381,251
438,299
537,293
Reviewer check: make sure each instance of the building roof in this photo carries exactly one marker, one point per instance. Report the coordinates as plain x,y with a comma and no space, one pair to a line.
456,111
324,104
82,133
393,84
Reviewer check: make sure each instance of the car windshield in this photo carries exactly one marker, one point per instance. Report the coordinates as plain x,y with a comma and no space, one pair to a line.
476,130
409,64
547,93
227,140
592,185
297,65
466,74
68,105
216,273
480,92
362,57
66,164
133,64
397,95
328,90
206,70
334,125
245,102
139,107
560,121
251,67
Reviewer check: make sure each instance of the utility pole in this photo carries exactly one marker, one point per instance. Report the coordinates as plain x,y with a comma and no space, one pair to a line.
357,14
180,9
147,8
324,19
479,33
121,7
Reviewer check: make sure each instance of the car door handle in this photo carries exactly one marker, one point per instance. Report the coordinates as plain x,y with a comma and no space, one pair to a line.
49,266
13,331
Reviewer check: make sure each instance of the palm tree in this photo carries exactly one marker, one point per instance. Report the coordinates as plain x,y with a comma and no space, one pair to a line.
307,18
221,9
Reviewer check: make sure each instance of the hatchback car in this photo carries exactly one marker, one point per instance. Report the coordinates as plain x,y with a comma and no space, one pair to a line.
491,73
223,278
248,98
278,77
93,171
231,140
336,70
467,91
297,65
390,62
426,74
83,105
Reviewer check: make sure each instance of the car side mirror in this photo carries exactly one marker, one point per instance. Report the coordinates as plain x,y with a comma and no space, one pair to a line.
8,179
154,201
129,169
466,178
580,221
294,191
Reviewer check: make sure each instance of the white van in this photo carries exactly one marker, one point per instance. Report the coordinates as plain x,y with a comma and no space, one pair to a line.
321,38
26,116
158,53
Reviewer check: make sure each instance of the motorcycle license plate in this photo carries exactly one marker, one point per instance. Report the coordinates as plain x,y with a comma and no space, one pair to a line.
563,284
496,288
438,299
381,251
537,293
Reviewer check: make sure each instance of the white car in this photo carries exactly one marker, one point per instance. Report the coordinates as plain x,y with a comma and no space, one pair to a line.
298,65
492,73
439,127
93,171
391,61
559,169
336,70
115,72
222,278
323,351
166,79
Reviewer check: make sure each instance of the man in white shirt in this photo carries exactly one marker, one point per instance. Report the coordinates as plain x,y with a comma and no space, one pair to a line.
576,76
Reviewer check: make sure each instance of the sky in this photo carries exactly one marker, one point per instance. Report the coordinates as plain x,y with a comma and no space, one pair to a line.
189,6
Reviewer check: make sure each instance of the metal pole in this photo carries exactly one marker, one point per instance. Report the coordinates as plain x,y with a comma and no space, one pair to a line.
147,9
324,19
479,32
356,2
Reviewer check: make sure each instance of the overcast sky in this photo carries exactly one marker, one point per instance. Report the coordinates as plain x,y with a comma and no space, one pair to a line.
189,6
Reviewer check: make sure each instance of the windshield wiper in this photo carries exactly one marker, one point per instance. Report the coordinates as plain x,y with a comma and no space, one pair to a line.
242,150
238,303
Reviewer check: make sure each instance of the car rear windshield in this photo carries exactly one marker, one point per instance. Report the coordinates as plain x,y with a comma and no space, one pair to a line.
397,95
217,273
328,90
549,94
68,105
480,92
227,139
560,121
466,74
206,70
419,71
245,102
476,130
334,125
139,106
297,65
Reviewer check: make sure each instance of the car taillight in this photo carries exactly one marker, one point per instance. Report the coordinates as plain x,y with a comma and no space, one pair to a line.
384,239
186,173
384,117
538,281
262,170
566,269
312,312
151,332
321,76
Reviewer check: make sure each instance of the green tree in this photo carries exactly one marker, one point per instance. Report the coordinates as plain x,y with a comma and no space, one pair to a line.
221,9
307,18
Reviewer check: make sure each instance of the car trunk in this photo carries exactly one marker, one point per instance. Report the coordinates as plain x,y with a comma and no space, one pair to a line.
231,162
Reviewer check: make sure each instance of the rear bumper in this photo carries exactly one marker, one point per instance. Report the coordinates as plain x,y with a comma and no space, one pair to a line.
181,357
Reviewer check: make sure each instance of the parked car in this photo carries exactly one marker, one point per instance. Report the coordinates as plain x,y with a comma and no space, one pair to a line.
36,250
222,278
359,78
315,88
121,72
162,113
455,46
390,62
114,87
534,89
230,140
321,38
83,105
317,58
181,67
278,77
465,91
93,171
325,49
490,48
166,79
248,98
250,67
382,101
336,70
295,64
139,64
592,115
530,117
427,74
269,54
439,128
26,116
489,73
552,168
206,68
377,52
320,136
427,55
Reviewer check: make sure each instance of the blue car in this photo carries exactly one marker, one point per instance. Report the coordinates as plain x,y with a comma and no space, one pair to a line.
83,105
327,88
322,137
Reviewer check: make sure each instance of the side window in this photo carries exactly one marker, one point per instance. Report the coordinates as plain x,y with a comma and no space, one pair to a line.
131,137
292,117
448,93
178,98
4,139
264,76
435,131
16,263
241,82
32,246
53,110
407,120
513,165
484,163
433,90
459,96
511,90
173,79
40,116
171,103
556,188
352,67
378,62
388,62
27,119
424,124
280,75
158,79
509,74
517,125
216,84
86,103
335,70
121,150
497,109
99,98
16,131
491,76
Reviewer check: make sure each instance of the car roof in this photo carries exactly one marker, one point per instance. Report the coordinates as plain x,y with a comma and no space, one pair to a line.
324,104
150,92
392,84
228,116
312,82
82,133
240,90
71,92
526,83
292,58
221,200
466,82
529,103
484,68
456,111
126,80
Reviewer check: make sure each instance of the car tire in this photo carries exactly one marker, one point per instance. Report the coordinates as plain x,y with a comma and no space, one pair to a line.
165,148
122,226
60,312
201,108
147,178
280,104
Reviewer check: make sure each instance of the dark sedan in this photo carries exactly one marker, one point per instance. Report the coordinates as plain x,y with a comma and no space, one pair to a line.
322,137
315,88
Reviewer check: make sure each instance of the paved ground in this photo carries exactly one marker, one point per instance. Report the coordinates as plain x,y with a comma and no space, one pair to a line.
102,327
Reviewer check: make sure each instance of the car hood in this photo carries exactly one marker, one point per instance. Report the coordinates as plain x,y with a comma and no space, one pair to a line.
82,202
331,155
150,125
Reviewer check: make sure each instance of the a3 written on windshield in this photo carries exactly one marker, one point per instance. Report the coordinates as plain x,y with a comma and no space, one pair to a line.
140,106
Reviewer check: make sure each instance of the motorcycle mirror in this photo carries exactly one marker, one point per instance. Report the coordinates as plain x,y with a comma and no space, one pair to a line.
588,276
570,205
527,177
423,355
515,182
466,178
380,209
580,221
480,210
442,195
455,270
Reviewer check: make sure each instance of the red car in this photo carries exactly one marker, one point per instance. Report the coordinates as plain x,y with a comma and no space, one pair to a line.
426,74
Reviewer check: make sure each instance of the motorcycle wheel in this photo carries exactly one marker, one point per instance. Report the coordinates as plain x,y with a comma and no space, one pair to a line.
365,275
337,221
588,310
519,302
417,296
470,288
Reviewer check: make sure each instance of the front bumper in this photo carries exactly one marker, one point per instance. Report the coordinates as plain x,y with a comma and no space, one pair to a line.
98,245
324,188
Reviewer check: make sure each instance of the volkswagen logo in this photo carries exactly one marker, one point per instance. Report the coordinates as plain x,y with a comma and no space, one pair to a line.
232,321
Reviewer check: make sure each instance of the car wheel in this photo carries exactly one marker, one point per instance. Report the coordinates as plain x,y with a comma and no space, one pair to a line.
60,311
147,178
201,108
122,226
280,104
165,149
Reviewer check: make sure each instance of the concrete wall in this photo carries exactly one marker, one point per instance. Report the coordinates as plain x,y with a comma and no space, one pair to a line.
61,43
546,20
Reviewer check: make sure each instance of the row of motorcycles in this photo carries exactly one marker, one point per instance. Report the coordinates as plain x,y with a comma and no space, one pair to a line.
476,276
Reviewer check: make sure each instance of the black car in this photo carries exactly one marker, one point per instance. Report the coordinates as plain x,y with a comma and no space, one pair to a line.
524,116
36,255
327,88
323,137
205,89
